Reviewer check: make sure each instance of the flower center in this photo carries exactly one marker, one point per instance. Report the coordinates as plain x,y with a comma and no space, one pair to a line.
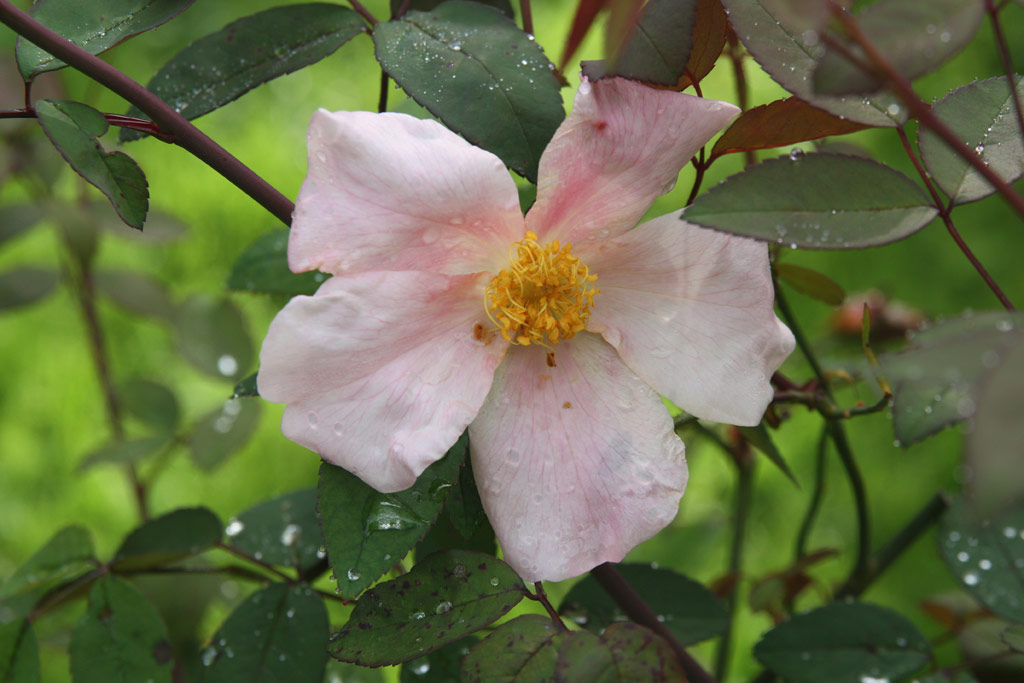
543,297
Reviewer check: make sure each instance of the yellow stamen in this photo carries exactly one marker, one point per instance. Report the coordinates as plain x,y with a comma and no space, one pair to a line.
544,296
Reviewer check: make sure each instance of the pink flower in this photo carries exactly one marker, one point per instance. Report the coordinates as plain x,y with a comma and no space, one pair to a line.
448,310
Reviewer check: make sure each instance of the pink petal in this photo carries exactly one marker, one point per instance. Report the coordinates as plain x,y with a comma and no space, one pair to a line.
622,146
576,464
690,311
381,371
392,192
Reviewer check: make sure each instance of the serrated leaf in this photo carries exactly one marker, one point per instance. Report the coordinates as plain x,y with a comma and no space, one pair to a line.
987,556
120,639
440,666
521,650
934,382
843,643
25,285
94,26
279,633
914,37
624,652
780,123
812,283
223,66
69,553
263,268
762,440
167,539
126,451
282,531
247,388
657,48
790,60
19,652
136,293
221,433
981,114
153,404
690,611
73,128
483,77
442,599
18,218
368,532
212,336
708,41
816,201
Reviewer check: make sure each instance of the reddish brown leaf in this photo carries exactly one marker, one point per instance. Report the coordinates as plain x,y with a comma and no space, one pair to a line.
586,12
708,41
778,123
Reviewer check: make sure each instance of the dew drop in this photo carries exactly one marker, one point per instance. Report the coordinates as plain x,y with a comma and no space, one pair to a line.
495,581
971,579
353,575
234,528
290,534
985,565
442,607
227,365
209,654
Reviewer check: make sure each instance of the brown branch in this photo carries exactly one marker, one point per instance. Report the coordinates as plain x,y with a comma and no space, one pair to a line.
527,14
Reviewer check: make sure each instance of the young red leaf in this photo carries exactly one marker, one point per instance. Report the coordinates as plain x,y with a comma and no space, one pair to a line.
708,41
586,12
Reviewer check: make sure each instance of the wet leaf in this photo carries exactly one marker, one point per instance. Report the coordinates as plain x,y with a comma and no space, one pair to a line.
440,666
120,639
73,128
914,37
780,123
263,268
368,532
843,643
982,115
483,77
279,633
442,599
94,26
688,609
25,285
212,336
223,66
67,555
247,388
19,652
464,507
816,201
221,433
282,531
168,539
624,652
136,293
987,556
16,219
126,451
812,283
520,650
790,60
153,404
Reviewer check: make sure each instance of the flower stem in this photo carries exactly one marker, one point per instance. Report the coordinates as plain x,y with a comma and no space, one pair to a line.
527,15
641,613
744,497
363,12
382,101
542,597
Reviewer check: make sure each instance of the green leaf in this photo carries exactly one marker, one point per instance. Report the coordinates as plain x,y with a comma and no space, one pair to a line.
25,285
440,666
503,6
94,26
843,642
120,638
1013,636
279,633
65,556
18,218
935,381
281,531
982,115
212,336
221,433
464,507
658,47
73,128
483,77
168,539
762,441
521,650
812,283
343,672
816,201
136,293
443,536
153,404
19,652
368,532
120,452
987,556
914,37
263,268
247,388
441,600
624,652
223,66
689,610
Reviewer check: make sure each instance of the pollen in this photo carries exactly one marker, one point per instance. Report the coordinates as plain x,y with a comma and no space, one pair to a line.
544,296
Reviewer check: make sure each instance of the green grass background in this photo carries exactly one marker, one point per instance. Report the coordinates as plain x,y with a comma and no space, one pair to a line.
52,413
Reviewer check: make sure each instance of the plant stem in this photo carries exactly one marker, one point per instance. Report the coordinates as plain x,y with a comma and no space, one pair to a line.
249,558
527,15
382,101
173,124
542,597
744,497
861,566
818,495
742,100
1004,57
801,340
363,12
641,613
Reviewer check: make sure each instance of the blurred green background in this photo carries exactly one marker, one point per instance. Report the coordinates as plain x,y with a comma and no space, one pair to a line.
51,403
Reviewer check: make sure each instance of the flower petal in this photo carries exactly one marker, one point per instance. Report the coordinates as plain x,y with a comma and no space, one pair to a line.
690,311
577,463
392,192
623,145
381,371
